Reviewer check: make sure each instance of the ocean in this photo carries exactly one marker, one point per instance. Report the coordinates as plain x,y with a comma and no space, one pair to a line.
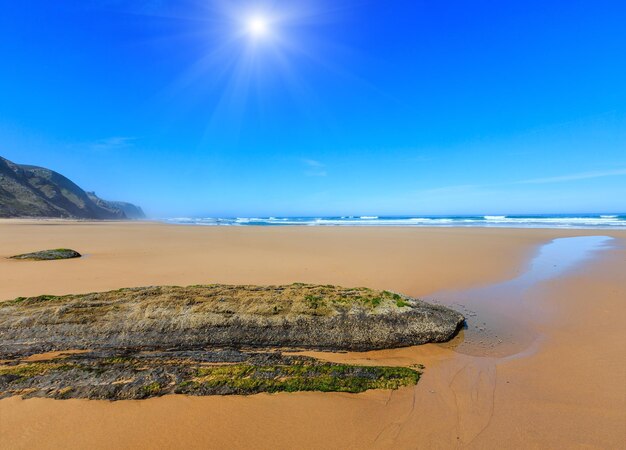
587,221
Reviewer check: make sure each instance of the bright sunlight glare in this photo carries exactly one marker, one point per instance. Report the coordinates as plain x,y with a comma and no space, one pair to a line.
257,26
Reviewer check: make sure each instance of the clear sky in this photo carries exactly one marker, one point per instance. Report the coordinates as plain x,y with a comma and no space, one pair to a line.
339,107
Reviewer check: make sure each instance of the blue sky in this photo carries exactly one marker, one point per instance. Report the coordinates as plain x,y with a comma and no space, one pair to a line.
351,107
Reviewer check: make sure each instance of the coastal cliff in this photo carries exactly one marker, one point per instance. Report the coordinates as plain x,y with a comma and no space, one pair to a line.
31,191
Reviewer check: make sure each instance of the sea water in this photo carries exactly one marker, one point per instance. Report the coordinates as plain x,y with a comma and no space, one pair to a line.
588,221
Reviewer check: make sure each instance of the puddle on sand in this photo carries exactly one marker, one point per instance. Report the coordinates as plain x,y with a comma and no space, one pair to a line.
497,316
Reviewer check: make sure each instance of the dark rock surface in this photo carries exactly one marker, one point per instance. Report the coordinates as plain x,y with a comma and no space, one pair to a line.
127,375
48,255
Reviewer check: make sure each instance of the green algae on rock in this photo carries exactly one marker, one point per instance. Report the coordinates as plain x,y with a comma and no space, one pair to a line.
127,375
49,255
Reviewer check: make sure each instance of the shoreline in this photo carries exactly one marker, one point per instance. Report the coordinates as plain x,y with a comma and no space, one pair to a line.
475,401
167,222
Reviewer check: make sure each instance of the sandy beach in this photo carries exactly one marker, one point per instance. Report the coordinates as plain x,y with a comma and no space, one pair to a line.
561,384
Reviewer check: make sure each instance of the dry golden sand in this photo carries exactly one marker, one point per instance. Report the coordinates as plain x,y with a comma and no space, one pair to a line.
568,390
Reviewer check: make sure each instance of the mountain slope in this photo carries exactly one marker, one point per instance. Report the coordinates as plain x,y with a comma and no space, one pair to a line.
31,191
131,211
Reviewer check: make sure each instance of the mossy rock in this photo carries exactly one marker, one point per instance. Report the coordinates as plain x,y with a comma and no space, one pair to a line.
49,255
294,316
123,375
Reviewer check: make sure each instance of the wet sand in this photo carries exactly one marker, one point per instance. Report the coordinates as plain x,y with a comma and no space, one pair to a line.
565,388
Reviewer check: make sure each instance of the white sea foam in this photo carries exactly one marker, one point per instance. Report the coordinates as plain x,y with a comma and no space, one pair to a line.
587,221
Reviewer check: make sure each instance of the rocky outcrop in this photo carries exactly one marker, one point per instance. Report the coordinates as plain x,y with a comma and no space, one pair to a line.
152,318
31,191
144,342
49,255
126,375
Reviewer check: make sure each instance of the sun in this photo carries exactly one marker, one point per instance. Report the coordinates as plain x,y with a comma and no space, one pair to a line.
258,26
